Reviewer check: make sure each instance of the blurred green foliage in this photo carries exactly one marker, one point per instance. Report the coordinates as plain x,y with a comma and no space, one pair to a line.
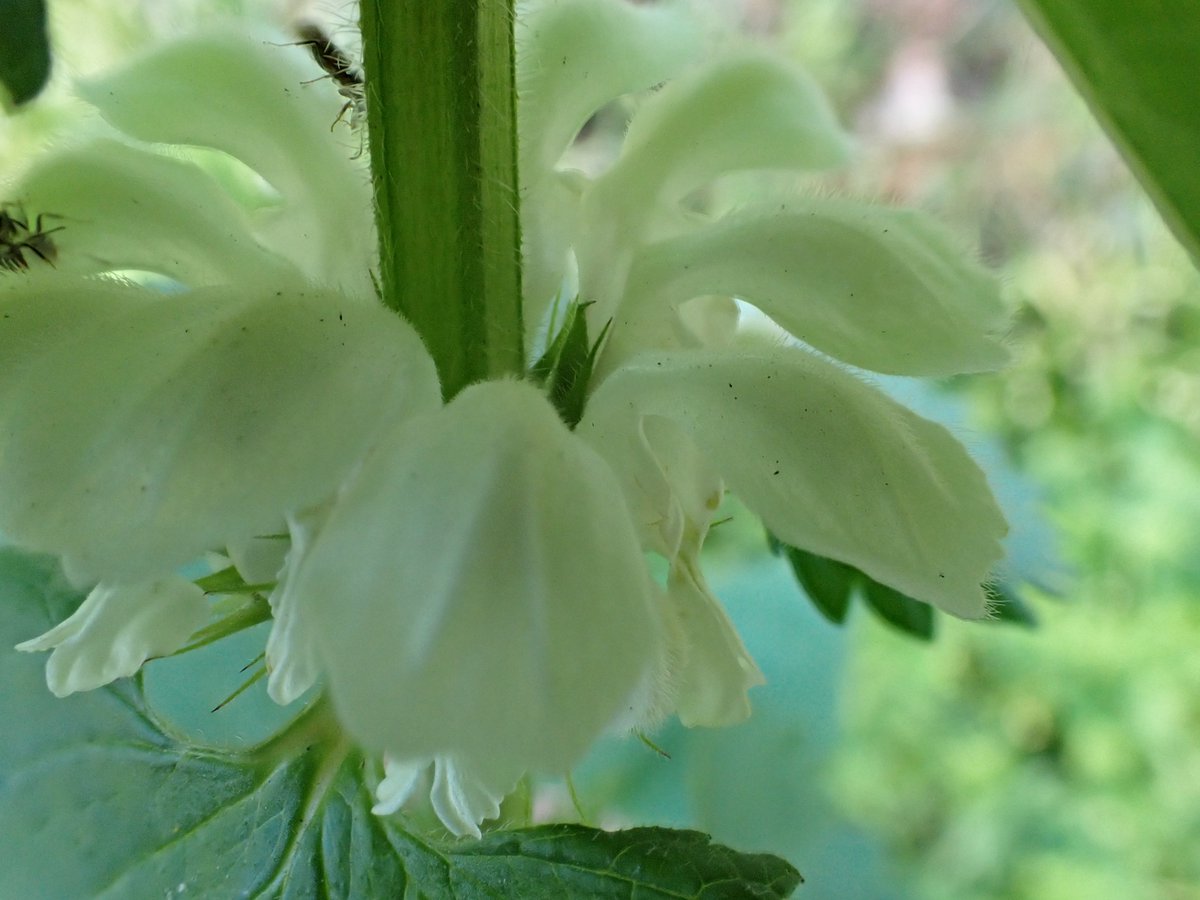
1062,763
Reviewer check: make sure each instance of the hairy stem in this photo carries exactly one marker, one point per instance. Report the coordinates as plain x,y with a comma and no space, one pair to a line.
441,112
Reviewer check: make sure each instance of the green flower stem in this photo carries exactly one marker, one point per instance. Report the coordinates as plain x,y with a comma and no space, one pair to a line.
441,112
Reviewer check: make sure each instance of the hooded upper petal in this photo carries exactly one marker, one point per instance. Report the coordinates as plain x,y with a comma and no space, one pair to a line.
138,430
749,111
828,462
116,629
478,590
247,98
565,73
884,289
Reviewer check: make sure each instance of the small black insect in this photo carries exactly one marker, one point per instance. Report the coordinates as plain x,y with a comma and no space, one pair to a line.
337,66
19,241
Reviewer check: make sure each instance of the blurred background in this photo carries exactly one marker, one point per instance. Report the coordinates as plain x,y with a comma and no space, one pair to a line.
996,760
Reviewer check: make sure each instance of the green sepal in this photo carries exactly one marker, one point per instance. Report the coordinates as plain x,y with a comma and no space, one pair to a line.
541,370
100,798
224,581
24,51
245,614
565,369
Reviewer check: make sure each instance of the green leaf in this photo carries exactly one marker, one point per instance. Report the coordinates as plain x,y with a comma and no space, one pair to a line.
565,369
99,799
828,583
24,51
1135,64
911,616
577,861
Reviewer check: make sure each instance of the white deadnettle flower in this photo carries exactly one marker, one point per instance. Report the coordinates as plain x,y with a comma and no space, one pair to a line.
467,580
828,462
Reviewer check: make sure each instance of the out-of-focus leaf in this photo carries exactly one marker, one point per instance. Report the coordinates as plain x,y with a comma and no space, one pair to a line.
829,584
24,51
910,616
1136,65
98,799
832,585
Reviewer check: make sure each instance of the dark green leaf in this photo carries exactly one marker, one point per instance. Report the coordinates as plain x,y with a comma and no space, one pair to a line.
24,51
829,584
565,369
1136,65
98,799
576,861
911,616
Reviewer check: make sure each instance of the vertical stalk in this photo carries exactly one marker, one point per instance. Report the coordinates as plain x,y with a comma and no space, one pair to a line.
441,113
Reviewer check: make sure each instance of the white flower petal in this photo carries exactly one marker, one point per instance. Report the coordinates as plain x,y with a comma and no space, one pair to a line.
259,560
123,208
247,98
717,670
400,781
671,488
116,629
749,111
139,430
884,289
549,228
478,590
574,56
830,463
462,797
291,651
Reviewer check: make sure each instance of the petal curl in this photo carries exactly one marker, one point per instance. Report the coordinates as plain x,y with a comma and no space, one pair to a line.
291,650
401,778
116,629
462,798
828,462
749,111
478,590
574,56
884,289
459,796
139,430
717,669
